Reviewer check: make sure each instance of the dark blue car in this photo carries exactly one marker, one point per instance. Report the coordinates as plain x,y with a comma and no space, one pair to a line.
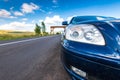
91,48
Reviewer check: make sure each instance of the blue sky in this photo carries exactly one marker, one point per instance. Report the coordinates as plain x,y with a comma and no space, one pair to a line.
23,14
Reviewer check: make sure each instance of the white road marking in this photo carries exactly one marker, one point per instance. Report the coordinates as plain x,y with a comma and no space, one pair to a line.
19,41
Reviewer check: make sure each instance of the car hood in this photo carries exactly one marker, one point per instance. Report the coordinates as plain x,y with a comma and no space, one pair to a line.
111,33
116,25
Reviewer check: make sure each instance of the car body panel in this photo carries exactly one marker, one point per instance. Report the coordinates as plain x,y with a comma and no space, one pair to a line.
101,62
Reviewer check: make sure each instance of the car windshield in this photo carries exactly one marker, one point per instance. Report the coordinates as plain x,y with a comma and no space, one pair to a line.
79,19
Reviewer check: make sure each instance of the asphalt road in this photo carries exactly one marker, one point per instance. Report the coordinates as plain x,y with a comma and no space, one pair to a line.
34,59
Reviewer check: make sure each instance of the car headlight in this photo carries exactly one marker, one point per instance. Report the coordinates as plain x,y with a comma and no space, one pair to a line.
85,33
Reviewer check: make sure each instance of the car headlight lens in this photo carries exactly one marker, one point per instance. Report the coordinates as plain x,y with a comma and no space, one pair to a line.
85,33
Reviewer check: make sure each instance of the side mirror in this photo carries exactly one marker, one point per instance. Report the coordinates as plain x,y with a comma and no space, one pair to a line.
64,23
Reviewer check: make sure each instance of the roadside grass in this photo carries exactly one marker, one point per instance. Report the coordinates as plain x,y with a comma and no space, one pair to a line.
9,35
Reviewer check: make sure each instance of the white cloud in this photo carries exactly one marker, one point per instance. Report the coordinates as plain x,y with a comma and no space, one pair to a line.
11,9
12,17
17,13
19,26
24,19
50,12
42,10
4,13
33,21
29,8
56,20
69,18
54,1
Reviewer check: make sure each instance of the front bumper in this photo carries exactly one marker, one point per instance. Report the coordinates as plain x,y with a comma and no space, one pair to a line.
96,68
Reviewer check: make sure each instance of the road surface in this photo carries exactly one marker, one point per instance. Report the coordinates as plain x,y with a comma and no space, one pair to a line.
33,59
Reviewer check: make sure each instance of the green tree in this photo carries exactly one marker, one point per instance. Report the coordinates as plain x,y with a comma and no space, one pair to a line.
37,29
43,27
